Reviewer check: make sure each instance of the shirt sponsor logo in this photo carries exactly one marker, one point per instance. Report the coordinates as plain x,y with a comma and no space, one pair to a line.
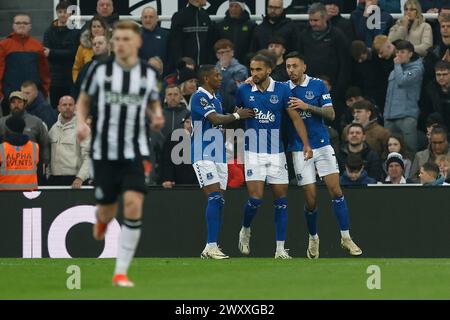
264,117
326,96
127,99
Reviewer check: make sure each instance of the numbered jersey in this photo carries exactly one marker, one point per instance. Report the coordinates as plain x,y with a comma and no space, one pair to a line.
313,92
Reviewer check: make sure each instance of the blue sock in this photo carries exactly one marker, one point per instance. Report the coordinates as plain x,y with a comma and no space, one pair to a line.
281,217
250,210
222,200
311,220
213,210
341,212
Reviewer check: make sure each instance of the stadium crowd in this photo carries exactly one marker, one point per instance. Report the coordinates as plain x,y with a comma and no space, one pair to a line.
390,85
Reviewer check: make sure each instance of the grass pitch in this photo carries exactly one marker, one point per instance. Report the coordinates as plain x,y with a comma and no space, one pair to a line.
234,279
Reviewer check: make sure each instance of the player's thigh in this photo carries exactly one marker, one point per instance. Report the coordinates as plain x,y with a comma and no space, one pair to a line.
305,171
255,189
325,161
106,184
277,172
255,166
132,202
133,177
208,174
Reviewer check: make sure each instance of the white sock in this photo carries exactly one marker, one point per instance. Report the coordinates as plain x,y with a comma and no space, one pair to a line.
129,238
314,237
211,245
345,233
280,245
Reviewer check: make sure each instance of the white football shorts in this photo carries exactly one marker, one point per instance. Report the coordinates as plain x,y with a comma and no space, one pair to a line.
209,172
266,166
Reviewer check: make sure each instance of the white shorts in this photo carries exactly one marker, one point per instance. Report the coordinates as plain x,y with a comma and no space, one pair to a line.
324,159
209,172
266,166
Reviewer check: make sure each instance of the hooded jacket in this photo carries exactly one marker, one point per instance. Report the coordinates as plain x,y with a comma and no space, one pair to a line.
284,27
239,31
41,109
63,43
22,59
403,93
174,117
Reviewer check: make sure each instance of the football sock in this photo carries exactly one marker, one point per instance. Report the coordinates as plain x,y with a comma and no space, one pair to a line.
251,208
280,245
129,238
311,220
213,209
341,212
281,217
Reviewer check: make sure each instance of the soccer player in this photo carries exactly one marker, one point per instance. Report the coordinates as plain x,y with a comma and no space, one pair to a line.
264,156
211,167
118,94
313,102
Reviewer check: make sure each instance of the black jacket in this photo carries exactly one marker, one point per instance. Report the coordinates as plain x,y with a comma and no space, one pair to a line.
240,32
327,55
435,100
63,44
285,28
174,117
180,173
41,109
345,25
192,35
371,160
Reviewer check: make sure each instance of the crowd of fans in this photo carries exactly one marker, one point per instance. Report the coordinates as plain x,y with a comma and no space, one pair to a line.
389,84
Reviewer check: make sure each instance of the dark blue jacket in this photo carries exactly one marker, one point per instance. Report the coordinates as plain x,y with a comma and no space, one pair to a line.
429,4
363,179
41,109
155,43
362,32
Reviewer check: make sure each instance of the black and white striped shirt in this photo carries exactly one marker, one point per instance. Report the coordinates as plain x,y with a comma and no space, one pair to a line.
119,99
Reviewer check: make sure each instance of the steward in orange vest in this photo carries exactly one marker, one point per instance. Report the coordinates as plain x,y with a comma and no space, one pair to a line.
19,157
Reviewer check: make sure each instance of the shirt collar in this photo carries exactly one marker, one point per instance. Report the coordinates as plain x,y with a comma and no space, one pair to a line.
270,88
210,96
303,84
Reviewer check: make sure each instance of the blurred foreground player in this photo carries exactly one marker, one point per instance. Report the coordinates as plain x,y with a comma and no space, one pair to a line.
118,94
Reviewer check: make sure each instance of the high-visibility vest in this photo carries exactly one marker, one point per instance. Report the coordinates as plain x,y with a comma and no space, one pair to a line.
18,168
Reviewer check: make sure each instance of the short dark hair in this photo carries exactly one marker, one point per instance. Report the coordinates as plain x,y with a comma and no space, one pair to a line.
364,105
295,54
354,162
441,64
29,83
357,48
431,168
223,44
404,45
439,130
353,92
277,40
204,71
63,5
358,125
263,58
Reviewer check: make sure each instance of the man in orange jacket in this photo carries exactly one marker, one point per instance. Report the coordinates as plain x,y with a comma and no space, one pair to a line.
19,157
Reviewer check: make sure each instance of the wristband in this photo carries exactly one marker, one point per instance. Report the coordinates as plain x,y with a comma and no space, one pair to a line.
236,116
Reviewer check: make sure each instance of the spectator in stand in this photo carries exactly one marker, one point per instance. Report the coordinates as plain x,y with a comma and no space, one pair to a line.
22,58
102,50
278,48
174,111
97,27
326,52
438,146
396,144
155,39
433,6
35,129
444,166
36,104
364,24
355,174
275,23
352,95
413,27
376,135
429,175
238,28
366,72
192,33
436,97
356,145
233,73
336,20
405,81
187,80
105,9
177,174
69,165
61,45
395,169
444,10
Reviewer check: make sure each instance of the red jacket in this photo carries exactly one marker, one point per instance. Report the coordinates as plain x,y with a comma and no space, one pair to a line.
21,59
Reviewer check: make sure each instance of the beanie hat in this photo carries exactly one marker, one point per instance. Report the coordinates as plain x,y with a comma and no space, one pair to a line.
15,124
240,2
186,74
395,157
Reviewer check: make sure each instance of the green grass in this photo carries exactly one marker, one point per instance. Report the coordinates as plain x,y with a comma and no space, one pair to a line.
238,278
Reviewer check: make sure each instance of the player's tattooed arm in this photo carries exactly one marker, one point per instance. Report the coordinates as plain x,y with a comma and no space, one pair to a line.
240,113
325,112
